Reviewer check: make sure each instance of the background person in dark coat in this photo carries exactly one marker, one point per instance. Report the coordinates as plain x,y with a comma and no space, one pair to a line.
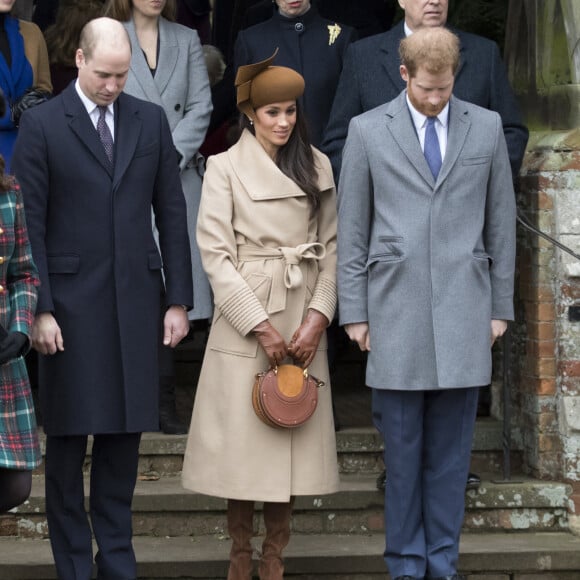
371,77
309,44
99,313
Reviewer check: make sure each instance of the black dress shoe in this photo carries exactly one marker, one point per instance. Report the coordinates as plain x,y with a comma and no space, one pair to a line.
451,577
473,481
405,578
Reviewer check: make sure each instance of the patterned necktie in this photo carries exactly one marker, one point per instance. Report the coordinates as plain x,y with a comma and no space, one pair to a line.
105,133
432,150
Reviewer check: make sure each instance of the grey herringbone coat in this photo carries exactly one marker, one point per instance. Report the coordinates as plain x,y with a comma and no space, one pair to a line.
427,263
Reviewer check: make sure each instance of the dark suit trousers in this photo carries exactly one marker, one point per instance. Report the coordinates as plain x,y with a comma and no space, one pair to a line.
427,437
113,477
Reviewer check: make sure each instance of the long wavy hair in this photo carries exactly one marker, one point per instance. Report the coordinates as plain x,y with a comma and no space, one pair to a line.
295,159
123,9
62,38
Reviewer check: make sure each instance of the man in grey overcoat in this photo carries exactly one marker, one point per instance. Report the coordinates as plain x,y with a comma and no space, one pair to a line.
426,252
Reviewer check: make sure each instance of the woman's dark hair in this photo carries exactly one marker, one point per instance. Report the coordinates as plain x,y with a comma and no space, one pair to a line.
6,180
295,159
62,38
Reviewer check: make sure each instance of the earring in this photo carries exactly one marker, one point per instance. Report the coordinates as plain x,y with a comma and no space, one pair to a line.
251,121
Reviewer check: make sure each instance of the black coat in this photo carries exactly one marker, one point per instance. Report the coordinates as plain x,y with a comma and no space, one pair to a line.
371,77
305,44
100,270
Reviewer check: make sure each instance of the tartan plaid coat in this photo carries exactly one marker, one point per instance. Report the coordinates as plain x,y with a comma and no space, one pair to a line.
19,448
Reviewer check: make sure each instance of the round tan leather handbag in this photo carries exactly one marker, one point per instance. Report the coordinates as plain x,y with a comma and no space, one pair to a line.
285,396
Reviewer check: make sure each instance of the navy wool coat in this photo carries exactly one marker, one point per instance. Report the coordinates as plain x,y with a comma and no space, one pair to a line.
100,269
371,78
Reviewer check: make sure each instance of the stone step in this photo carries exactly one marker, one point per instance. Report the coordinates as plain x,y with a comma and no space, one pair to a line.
515,556
359,450
163,508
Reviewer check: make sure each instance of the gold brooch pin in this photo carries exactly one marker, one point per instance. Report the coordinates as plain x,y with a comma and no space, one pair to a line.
333,31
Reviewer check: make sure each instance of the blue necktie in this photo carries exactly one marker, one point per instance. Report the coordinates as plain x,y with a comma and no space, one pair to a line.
432,150
105,133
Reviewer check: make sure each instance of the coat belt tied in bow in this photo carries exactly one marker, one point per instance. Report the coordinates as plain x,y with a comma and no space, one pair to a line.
287,274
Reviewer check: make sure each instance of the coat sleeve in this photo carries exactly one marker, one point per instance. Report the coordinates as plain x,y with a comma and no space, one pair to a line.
37,55
355,210
346,105
500,230
22,276
30,165
233,296
504,102
324,295
189,133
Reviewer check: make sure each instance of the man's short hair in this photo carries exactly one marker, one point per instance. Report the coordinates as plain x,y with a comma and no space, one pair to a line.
434,48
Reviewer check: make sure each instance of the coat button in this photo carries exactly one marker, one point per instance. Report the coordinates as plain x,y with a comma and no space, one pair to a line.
1,259
299,27
177,107
1,289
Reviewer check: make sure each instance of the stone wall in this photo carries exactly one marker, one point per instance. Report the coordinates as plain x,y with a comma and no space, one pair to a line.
547,333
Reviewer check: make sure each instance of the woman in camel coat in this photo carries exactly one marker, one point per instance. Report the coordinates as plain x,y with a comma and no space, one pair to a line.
269,249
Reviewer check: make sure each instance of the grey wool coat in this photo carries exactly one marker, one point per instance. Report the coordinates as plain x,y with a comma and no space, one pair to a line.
181,87
427,263
256,233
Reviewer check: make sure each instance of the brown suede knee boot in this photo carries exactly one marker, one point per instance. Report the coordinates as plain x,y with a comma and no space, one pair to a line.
277,522
241,530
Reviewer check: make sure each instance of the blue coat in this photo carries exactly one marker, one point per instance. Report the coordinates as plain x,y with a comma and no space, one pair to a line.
307,45
100,269
371,77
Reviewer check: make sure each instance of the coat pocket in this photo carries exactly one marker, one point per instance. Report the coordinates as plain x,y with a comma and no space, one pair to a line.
480,160
388,249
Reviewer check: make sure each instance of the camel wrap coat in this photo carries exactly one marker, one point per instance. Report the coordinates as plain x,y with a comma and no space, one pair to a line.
267,257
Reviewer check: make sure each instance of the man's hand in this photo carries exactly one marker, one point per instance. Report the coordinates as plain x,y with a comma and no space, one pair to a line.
359,332
498,328
175,326
46,334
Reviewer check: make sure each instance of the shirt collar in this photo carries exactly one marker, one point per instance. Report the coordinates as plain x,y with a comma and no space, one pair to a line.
420,120
90,106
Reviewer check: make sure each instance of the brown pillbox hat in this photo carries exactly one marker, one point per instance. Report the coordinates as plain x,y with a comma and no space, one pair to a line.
261,83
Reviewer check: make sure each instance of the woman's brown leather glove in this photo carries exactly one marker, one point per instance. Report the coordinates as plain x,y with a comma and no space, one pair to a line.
271,341
305,340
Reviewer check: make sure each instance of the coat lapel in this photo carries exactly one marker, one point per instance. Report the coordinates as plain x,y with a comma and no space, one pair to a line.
390,56
459,124
250,163
140,68
400,124
127,130
82,126
168,55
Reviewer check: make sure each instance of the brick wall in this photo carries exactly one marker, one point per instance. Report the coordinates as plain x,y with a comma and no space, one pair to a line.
546,363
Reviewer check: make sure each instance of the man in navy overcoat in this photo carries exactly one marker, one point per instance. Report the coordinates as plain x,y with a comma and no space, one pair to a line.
92,162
